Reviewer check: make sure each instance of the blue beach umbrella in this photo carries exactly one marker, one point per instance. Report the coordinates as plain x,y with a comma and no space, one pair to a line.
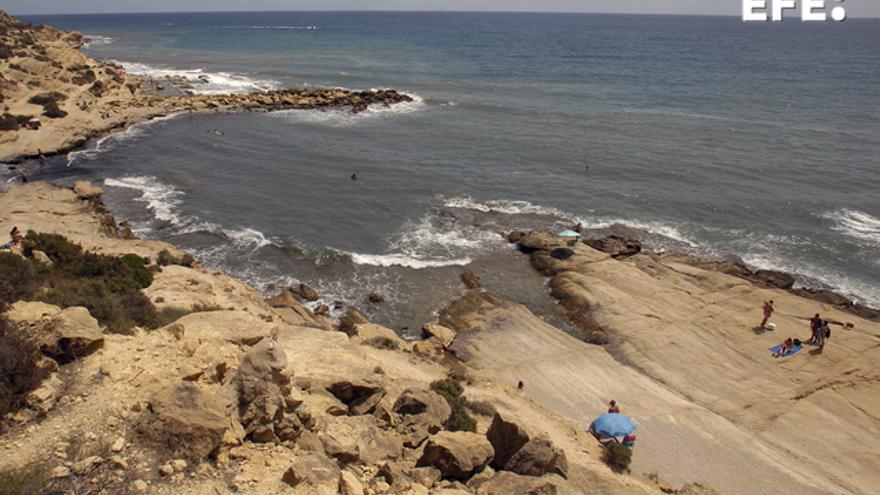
613,425
568,233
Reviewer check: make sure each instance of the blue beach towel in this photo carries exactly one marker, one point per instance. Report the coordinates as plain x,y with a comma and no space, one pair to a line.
794,350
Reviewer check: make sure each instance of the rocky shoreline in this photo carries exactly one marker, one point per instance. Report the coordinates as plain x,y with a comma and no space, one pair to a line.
57,99
241,394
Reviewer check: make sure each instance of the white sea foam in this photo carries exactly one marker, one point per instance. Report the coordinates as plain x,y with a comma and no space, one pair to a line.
345,118
857,224
92,40
109,141
162,199
202,82
508,207
389,260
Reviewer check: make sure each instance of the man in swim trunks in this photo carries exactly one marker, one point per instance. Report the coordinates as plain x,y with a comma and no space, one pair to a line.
768,312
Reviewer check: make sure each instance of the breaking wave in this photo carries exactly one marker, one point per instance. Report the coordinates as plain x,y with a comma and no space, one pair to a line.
92,40
345,118
856,224
201,81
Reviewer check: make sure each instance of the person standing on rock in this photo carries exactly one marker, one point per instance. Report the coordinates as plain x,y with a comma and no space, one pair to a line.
768,312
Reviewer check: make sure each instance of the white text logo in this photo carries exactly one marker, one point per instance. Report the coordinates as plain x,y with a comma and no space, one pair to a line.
811,10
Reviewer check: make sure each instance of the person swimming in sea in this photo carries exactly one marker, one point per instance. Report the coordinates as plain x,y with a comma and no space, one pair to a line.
354,177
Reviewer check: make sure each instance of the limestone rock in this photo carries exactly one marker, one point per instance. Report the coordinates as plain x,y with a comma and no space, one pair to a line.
615,245
430,348
187,420
457,455
538,457
266,407
506,437
537,240
86,190
367,332
360,397
71,334
422,409
471,280
43,398
350,439
350,320
60,472
315,470
505,483
444,334
305,292
773,278
349,484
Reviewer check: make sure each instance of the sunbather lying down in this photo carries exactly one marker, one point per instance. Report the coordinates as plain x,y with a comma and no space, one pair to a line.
787,348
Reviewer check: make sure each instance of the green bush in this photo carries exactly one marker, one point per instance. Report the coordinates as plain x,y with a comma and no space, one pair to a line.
617,456
460,419
109,287
142,274
44,98
19,278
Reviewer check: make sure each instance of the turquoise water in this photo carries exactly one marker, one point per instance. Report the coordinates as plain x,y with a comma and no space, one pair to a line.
701,133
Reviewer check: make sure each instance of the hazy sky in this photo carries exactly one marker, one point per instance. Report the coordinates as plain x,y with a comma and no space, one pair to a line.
855,8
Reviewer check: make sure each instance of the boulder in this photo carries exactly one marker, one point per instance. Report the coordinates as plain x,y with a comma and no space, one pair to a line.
430,348
457,455
71,334
350,320
537,240
187,420
366,332
351,439
471,280
268,410
538,457
505,483
422,410
285,299
444,334
314,470
375,298
359,397
615,245
305,292
86,190
506,437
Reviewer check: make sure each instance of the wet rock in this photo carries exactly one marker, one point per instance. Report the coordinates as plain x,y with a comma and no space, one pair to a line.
359,397
773,278
615,245
471,280
285,299
537,240
305,292
457,455
376,298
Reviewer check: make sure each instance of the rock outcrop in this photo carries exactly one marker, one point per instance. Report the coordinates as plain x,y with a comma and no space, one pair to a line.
458,455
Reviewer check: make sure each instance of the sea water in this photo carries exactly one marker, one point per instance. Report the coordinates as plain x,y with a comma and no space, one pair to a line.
705,134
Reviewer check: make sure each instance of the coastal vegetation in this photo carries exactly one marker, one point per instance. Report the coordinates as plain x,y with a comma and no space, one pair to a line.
109,287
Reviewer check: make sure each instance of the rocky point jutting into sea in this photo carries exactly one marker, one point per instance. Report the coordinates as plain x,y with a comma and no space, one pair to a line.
191,382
